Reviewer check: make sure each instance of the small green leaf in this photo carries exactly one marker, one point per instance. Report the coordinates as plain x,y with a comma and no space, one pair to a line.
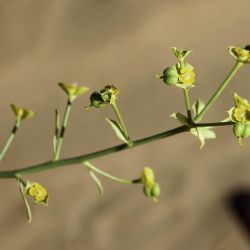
198,106
180,117
118,130
203,133
22,191
96,180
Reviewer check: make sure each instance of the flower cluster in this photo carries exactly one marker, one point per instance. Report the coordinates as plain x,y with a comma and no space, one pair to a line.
151,188
107,95
240,115
38,192
181,74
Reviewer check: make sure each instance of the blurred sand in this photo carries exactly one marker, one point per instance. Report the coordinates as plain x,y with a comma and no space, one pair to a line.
121,42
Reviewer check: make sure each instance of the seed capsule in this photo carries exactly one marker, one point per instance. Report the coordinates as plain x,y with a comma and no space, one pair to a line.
238,129
147,191
96,100
170,76
241,130
155,190
246,132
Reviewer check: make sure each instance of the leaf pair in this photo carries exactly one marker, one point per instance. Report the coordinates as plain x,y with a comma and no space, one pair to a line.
203,133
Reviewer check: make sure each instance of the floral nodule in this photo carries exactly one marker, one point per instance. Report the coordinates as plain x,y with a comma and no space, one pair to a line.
21,113
73,90
38,192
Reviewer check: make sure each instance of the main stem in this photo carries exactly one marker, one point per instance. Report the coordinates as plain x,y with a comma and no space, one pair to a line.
218,92
79,159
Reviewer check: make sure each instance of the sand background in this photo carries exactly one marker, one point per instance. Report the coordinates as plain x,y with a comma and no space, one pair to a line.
121,42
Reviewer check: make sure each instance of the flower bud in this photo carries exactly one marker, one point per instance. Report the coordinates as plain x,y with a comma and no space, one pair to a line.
170,76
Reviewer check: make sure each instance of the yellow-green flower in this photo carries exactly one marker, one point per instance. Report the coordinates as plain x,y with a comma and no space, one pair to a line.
38,192
107,95
241,54
187,76
72,90
241,111
21,113
148,177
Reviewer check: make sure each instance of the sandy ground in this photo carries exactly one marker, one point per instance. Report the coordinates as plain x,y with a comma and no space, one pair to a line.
122,42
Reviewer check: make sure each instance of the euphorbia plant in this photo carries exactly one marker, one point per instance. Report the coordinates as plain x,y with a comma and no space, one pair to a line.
180,75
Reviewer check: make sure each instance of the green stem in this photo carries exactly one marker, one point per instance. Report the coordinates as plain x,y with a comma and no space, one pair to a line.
79,159
82,158
218,92
188,105
10,139
114,178
212,124
119,117
62,131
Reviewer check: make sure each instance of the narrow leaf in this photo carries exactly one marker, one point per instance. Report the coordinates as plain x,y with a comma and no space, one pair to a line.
203,134
180,117
198,106
22,191
118,130
96,180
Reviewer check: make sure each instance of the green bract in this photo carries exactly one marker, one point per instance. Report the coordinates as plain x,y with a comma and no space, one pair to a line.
181,53
21,113
72,90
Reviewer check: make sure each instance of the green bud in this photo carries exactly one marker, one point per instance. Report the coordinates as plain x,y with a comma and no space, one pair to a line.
155,190
170,76
147,191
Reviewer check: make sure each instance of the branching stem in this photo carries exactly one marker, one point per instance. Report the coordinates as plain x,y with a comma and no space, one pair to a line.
82,158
